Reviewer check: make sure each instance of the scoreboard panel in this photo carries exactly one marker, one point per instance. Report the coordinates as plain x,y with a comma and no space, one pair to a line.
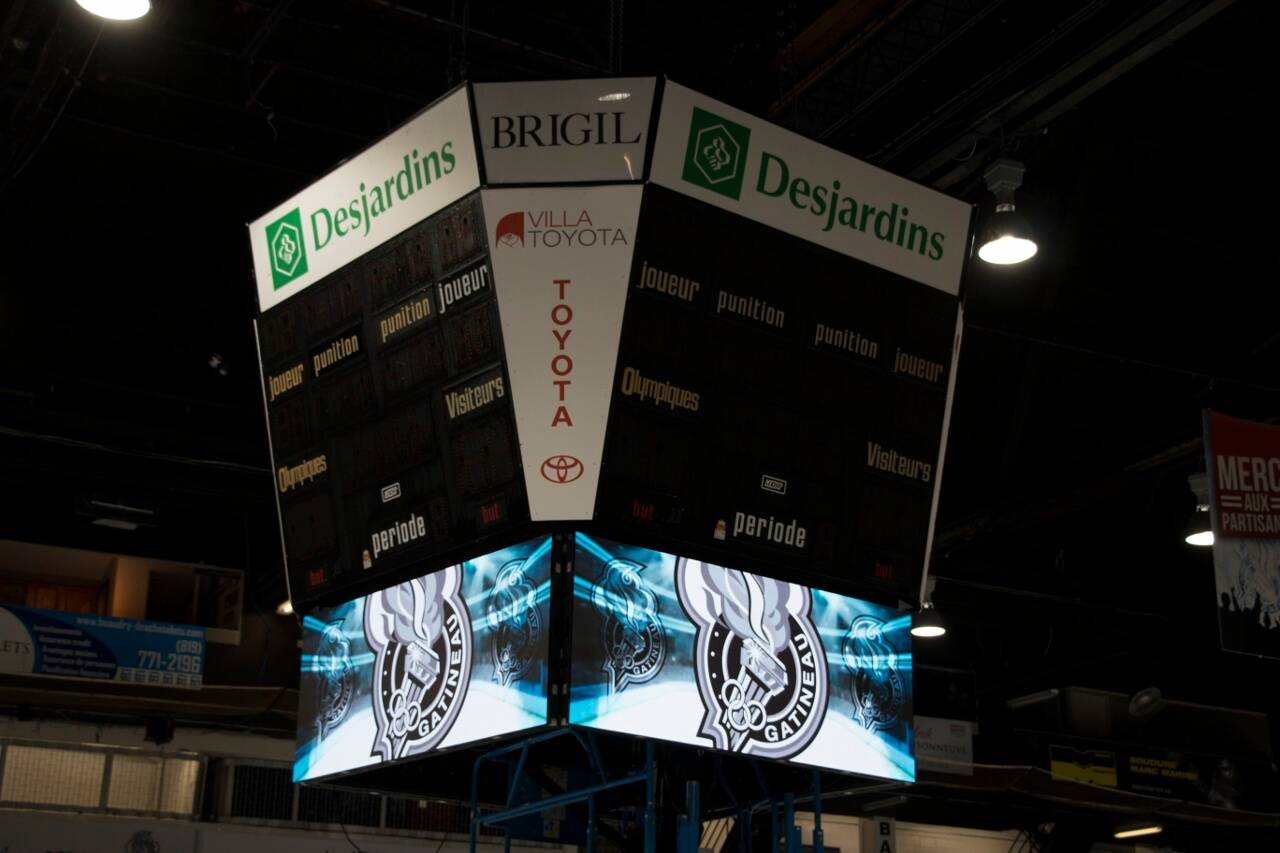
775,401
388,405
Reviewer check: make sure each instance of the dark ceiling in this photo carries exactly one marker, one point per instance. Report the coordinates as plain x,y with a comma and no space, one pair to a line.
132,155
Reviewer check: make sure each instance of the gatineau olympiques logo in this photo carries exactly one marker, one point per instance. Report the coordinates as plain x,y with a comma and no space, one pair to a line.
421,635
758,659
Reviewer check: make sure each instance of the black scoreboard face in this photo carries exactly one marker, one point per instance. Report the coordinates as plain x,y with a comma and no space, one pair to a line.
389,410
775,400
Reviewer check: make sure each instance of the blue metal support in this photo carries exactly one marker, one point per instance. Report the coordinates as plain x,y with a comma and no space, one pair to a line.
744,830
591,824
567,798
512,811
817,812
650,801
790,832
689,825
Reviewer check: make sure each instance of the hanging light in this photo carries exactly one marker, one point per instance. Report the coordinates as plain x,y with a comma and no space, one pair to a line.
285,608
1005,238
116,10
1199,530
1137,830
927,623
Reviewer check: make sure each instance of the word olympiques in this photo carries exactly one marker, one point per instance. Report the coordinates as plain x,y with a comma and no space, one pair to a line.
290,477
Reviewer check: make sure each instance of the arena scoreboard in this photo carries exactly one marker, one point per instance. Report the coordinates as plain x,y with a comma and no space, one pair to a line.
529,309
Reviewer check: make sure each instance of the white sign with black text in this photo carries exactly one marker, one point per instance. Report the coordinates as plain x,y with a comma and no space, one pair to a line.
561,261
564,130
945,746
879,835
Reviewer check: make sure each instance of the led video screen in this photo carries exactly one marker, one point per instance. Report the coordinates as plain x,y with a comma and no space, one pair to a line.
436,662
681,650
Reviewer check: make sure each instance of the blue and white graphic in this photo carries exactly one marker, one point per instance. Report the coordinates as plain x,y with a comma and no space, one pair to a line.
336,678
421,635
751,665
630,628
878,694
512,612
101,648
760,673
438,662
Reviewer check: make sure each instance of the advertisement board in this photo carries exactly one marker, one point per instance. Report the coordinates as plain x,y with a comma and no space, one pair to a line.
560,259
1155,772
681,650
433,663
1244,470
945,746
421,167
101,648
564,131
746,165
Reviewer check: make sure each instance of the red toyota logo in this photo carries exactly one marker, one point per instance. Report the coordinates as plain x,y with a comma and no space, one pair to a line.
561,469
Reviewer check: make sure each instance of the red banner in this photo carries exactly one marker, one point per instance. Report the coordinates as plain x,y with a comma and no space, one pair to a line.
1244,469
1246,477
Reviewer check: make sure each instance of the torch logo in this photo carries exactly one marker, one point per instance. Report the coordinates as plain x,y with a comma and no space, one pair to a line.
630,630
759,664
511,609
421,635
878,693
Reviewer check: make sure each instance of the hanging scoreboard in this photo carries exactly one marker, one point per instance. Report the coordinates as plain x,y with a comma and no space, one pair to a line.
736,344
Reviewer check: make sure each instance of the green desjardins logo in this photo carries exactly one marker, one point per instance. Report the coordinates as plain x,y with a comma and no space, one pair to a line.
288,251
717,155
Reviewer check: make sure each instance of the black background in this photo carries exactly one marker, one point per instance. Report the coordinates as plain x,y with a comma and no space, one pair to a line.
379,416
772,403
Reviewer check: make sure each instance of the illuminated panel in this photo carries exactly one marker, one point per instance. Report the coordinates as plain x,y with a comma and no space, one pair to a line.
437,662
681,650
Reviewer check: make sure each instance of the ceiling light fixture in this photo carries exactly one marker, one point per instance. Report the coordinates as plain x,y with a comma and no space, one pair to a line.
1005,237
1032,699
927,623
1199,530
1138,830
116,523
1146,703
614,96
285,608
116,10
